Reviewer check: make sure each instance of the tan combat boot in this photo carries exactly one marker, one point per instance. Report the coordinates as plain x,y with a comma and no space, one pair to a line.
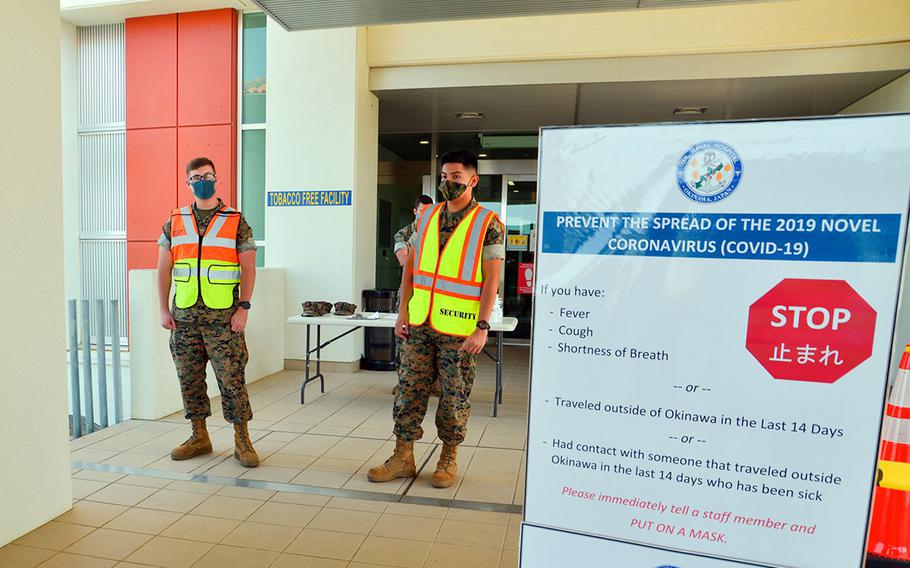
243,447
196,445
444,476
401,464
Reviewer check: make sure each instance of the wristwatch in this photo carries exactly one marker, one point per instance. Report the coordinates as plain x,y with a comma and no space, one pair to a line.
245,305
483,324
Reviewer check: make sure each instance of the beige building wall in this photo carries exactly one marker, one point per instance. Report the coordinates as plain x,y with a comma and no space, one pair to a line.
321,135
729,28
34,480
69,91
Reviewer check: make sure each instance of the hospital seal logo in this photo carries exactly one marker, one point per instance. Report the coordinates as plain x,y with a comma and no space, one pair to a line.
709,172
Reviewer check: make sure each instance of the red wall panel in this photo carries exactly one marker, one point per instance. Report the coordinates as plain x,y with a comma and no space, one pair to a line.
206,74
215,143
151,160
141,254
181,84
151,71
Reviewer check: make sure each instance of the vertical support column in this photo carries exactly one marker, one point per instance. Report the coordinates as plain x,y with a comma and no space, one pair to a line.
35,485
115,361
75,395
87,393
101,356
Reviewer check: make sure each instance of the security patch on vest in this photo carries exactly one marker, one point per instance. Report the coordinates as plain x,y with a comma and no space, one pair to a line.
457,314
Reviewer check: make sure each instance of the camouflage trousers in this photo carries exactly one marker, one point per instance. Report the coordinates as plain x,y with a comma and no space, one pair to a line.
426,355
208,337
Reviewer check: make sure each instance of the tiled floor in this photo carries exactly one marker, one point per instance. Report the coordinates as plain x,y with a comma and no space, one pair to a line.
135,507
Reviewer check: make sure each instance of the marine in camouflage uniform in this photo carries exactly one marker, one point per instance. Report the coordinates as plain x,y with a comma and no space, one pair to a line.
401,239
204,335
428,354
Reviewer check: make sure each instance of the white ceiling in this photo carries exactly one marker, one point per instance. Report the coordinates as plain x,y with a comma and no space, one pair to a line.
316,14
527,107
96,12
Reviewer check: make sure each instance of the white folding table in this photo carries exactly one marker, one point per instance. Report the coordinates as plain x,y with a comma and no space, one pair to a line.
386,321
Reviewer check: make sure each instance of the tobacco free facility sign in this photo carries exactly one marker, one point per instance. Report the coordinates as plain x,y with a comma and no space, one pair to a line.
309,198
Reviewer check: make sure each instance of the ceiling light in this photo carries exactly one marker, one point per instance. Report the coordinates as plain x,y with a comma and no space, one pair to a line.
511,182
481,155
689,110
424,142
469,115
514,191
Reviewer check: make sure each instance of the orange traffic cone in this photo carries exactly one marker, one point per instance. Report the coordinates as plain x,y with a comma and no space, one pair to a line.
889,535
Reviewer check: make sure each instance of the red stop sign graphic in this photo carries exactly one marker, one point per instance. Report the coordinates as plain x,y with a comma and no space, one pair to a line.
810,330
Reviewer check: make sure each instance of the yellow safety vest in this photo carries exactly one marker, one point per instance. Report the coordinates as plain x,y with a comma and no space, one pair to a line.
447,285
205,265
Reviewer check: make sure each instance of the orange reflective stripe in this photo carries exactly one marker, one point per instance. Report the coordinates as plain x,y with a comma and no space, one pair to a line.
478,255
455,279
468,289
440,292
220,253
183,252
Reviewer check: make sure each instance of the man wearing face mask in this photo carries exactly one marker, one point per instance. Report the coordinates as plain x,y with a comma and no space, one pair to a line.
448,288
403,237
208,250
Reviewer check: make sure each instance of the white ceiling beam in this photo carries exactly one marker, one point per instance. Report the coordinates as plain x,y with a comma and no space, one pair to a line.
861,59
99,12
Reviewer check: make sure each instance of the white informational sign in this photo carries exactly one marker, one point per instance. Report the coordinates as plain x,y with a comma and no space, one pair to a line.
550,547
713,324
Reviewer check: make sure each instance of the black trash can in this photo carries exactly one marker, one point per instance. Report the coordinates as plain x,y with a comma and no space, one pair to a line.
378,342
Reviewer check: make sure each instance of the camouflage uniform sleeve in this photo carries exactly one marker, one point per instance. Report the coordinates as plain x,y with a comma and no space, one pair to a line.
494,247
402,237
245,240
412,239
164,241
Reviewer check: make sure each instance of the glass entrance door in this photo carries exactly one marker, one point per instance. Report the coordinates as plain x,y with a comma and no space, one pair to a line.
520,199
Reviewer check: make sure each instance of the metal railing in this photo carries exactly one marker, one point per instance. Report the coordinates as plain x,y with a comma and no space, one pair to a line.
82,387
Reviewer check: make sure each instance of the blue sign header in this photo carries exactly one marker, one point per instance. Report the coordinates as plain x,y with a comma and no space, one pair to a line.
809,237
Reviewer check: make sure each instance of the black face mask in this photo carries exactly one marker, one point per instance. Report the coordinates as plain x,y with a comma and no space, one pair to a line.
451,190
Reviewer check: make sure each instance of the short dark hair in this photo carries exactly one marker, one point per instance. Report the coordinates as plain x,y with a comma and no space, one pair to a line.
423,200
197,163
464,157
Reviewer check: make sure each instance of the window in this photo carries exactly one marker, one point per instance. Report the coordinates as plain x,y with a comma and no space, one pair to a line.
252,129
102,166
254,85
